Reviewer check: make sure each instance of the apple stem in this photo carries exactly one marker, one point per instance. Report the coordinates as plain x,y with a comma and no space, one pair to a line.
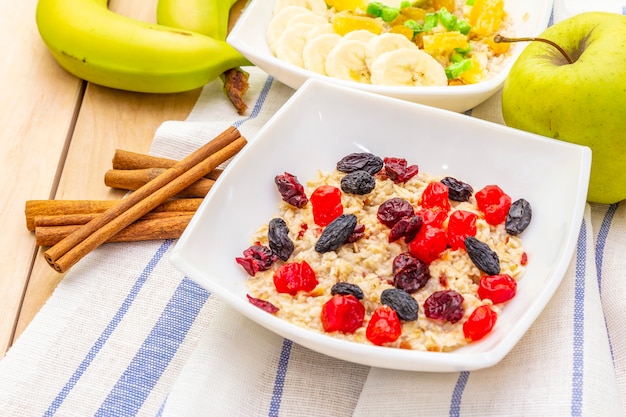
499,38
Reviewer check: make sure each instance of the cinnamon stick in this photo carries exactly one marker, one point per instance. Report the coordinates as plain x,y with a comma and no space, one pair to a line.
80,219
132,179
34,208
76,245
127,160
146,228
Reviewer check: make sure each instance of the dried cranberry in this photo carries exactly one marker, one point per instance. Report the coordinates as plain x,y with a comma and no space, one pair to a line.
293,277
262,304
461,224
409,273
428,244
291,190
384,326
436,195
326,201
342,313
394,209
358,233
479,323
360,161
458,190
494,203
497,288
445,305
257,258
406,228
398,170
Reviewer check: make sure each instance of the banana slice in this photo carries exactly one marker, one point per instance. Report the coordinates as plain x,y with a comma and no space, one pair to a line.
346,61
308,18
279,23
321,30
316,6
290,45
317,49
407,67
386,42
359,35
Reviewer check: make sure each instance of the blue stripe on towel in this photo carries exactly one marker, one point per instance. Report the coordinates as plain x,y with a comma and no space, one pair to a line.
579,325
259,103
144,371
279,381
457,394
106,333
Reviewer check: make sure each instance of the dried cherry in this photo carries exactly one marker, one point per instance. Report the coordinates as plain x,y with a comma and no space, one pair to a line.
479,323
293,277
336,233
497,288
342,313
402,302
429,243
445,305
461,224
360,161
291,190
433,216
384,326
494,203
279,241
409,273
436,195
482,256
326,202
394,209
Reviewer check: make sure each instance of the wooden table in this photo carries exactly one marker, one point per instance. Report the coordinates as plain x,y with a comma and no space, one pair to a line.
58,135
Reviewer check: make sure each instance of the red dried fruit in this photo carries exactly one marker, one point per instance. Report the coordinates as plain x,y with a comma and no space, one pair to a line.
433,216
445,305
291,190
384,326
436,195
342,313
257,258
398,171
406,228
391,211
262,304
293,277
479,323
358,233
409,273
326,201
497,288
429,243
494,203
461,224
524,259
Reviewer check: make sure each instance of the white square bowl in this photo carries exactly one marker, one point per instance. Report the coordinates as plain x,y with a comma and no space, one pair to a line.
323,122
530,18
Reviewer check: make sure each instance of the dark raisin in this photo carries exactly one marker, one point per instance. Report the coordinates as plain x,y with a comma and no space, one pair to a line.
360,161
257,258
291,190
262,304
279,241
358,233
518,217
358,182
347,288
391,211
398,170
457,190
401,302
406,227
446,305
483,257
336,233
409,273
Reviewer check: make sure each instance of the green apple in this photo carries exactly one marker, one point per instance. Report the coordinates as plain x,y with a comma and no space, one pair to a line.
583,102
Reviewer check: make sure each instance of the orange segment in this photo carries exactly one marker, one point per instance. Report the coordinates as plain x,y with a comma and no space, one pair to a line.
346,22
498,48
341,5
444,42
486,16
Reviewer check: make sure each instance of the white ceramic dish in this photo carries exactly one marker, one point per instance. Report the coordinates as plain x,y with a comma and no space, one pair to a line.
323,122
530,18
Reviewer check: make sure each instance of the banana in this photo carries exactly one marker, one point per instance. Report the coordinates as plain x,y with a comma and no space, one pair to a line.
100,46
279,23
386,42
317,49
208,17
346,61
359,35
407,67
316,6
290,45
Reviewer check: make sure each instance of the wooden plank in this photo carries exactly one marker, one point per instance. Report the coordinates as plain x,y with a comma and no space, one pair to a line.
37,110
108,119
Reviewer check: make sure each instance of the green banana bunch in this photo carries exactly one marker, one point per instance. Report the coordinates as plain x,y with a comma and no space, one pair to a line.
208,17
100,46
